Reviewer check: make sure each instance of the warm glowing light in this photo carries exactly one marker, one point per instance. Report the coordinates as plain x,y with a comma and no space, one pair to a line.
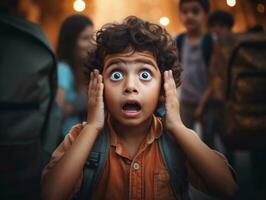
260,8
231,3
164,21
79,5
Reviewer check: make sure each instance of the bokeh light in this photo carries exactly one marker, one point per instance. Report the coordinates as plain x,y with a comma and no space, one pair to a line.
260,8
164,21
231,3
79,5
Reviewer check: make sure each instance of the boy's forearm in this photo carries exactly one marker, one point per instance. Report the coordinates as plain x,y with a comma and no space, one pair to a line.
59,182
205,97
206,162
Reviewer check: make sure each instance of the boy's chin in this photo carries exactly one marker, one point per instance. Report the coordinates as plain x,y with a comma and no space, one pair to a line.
192,27
131,122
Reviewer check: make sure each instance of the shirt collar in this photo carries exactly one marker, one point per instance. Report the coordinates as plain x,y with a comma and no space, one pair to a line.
154,132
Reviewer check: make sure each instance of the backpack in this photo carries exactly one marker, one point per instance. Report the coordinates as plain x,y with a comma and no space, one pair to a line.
245,105
28,85
171,153
207,46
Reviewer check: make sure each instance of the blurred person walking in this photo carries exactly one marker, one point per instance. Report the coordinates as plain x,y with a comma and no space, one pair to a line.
75,39
220,24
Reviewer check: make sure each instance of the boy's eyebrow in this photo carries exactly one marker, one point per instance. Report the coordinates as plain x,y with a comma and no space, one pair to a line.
120,60
114,61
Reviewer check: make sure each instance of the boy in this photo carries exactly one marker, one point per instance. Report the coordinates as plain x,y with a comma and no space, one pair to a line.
134,64
195,49
220,23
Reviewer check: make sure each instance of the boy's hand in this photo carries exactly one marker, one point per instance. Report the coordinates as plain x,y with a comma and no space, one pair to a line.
172,118
95,101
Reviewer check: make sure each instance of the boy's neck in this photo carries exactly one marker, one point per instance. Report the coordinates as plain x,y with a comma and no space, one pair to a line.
194,36
132,136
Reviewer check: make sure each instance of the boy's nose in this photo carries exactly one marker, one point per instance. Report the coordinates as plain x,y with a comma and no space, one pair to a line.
130,86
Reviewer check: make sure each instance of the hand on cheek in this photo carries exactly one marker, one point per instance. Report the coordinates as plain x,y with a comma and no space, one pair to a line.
95,101
172,118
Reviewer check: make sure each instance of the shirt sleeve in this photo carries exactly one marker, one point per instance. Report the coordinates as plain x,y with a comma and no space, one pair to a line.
60,151
196,180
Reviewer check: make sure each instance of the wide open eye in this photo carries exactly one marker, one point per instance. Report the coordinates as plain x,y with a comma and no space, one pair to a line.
145,75
116,76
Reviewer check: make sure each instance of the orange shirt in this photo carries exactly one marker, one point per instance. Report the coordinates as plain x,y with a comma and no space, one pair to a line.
144,176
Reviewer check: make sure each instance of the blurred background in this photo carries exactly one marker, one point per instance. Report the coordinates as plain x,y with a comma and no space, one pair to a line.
49,14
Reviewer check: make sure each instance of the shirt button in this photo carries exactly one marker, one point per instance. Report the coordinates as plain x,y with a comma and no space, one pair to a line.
136,166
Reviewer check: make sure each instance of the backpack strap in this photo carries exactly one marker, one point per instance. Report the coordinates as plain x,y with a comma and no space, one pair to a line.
94,166
171,153
175,163
179,42
207,47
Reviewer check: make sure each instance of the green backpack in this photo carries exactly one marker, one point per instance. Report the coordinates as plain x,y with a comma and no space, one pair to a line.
28,85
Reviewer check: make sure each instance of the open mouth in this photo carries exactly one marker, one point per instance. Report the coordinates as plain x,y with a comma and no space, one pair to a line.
131,107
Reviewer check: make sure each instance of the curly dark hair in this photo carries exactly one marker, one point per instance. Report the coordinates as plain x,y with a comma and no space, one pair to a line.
137,35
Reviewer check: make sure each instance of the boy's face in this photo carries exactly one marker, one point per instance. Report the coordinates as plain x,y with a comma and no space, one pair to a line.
132,83
192,15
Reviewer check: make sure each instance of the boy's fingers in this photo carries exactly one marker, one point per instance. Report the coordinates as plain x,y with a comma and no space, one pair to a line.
100,78
173,82
90,83
165,76
169,86
90,92
171,79
100,92
99,88
95,79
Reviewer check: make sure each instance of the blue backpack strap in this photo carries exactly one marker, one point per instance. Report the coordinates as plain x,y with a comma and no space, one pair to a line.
94,166
175,162
207,48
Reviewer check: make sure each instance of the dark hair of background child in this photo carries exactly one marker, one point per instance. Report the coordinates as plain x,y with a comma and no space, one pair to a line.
222,18
204,3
